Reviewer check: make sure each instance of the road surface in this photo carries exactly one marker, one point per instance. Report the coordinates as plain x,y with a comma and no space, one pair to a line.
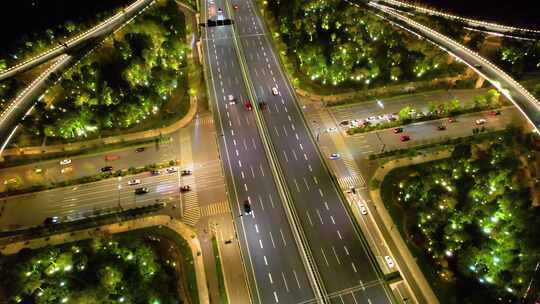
271,258
349,275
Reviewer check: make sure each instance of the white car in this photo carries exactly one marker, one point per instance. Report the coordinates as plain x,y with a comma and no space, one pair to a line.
134,182
231,99
363,209
334,156
66,161
480,121
331,129
389,261
275,91
172,170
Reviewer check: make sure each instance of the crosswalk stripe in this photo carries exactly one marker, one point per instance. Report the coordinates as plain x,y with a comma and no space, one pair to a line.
216,208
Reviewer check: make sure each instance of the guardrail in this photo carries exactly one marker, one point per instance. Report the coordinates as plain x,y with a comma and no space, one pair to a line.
298,233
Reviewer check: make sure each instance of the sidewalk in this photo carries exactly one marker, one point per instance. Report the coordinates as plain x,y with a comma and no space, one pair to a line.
159,220
394,234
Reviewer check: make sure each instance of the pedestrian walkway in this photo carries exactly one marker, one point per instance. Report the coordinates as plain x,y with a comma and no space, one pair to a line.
205,120
190,200
215,208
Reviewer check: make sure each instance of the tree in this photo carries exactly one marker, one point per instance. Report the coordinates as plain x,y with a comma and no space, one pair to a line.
493,98
405,113
110,277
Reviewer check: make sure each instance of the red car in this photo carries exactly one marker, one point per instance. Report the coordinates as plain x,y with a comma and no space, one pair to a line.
495,113
235,6
451,120
405,138
248,105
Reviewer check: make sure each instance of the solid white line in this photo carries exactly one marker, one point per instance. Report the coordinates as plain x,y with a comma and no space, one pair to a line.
325,259
272,239
285,281
297,281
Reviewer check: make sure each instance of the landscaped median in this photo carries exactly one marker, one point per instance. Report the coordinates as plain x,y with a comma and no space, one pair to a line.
464,215
89,179
154,258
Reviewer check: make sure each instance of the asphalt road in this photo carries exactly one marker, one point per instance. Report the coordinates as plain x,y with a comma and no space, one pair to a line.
275,270
348,273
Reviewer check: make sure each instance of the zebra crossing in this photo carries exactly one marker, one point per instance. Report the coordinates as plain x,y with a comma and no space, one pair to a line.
354,179
205,120
190,201
191,212
215,208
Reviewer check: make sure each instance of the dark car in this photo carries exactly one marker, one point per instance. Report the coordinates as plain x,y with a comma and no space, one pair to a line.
51,220
247,207
106,169
141,149
142,190
185,172
185,188
262,105
248,105
398,130
441,127
154,172
451,120
405,138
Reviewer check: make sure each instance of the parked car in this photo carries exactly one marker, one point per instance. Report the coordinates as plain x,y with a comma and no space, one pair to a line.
154,172
398,130
334,156
480,121
66,161
134,182
172,170
140,149
405,138
185,172
275,91
51,220
106,169
142,190
185,188
441,127
262,105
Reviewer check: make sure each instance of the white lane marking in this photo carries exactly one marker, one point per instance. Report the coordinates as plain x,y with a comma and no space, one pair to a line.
293,128
237,153
315,180
306,183
285,131
285,108
289,117
354,267
234,141
271,200
283,238
309,168
239,163
230,123
245,144
346,250
319,215
296,135
265,260
275,297
261,202
339,235
285,154
320,192
296,278
369,301
336,255
252,171
326,205
245,187
256,228
275,129
332,218
309,219
354,298
262,171
325,259
270,277
294,154
227,113
296,184
272,239
260,244
242,173
232,132
285,281
253,143
277,109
